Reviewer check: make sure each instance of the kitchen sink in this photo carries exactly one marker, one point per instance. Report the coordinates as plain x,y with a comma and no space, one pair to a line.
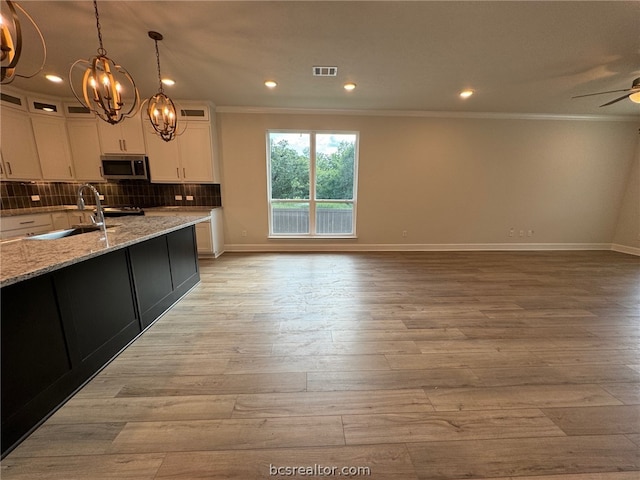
66,233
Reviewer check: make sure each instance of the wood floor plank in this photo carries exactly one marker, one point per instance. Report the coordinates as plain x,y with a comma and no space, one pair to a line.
234,434
345,348
149,386
305,363
596,420
51,440
444,426
462,360
525,456
125,409
331,403
628,393
522,396
385,462
390,380
161,364
83,467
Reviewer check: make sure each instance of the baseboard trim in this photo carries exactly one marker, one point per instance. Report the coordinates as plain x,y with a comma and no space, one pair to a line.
428,247
625,249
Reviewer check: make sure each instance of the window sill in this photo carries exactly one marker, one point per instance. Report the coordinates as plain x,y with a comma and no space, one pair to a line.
314,237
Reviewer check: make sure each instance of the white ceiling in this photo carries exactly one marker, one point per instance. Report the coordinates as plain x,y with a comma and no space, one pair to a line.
519,57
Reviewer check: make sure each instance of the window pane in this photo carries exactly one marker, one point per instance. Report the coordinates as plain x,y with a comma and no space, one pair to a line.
335,155
290,161
334,218
290,217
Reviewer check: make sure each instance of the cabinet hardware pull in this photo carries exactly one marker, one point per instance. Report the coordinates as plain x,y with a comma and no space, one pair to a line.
27,223
184,173
101,171
120,143
178,172
124,143
1,170
9,168
70,172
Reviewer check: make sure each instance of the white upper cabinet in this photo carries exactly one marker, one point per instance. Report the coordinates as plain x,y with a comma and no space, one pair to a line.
53,147
124,137
18,145
196,153
85,149
189,158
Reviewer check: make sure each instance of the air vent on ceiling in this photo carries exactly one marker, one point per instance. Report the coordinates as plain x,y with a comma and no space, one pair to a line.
325,71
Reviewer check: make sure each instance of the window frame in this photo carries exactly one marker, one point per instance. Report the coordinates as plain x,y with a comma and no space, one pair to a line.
313,202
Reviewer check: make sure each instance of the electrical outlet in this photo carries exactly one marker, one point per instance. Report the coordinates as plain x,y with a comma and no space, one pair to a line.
404,233
178,197
530,233
35,198
243,233
511,232
522,233
189,198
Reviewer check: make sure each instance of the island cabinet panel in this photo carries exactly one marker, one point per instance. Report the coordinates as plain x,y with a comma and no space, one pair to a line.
184,258
34,355
152,274
98,308
164,269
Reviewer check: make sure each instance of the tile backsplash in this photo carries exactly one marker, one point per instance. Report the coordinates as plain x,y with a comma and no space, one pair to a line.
127,192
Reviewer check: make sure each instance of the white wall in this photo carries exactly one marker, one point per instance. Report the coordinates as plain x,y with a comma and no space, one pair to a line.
627,236
450,182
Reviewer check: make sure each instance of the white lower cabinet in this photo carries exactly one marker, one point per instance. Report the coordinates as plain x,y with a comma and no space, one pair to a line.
25,225
60,220
79,217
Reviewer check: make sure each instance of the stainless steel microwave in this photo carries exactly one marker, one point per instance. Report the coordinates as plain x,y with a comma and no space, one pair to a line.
125,167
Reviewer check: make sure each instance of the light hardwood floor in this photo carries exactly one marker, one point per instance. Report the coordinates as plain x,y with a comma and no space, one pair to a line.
412,365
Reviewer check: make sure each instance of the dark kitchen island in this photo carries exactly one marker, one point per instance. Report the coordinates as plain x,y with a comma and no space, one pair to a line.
70,305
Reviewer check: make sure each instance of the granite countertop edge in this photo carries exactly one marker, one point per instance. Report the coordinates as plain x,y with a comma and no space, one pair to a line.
22,259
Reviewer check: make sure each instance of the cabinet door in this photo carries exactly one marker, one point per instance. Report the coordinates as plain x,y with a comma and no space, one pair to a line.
18,145
59,220
132,136
53,147
110,137
196,153
85,149
163,157
34,354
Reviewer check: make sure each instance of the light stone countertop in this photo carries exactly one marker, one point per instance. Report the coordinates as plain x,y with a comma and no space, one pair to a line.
25,258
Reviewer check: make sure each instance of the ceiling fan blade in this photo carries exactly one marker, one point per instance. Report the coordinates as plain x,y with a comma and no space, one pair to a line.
617,99
601,93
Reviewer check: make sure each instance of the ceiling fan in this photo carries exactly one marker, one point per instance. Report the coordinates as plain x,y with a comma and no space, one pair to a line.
633,95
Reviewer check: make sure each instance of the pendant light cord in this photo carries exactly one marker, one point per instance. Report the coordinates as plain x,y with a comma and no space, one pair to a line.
159,75
101,51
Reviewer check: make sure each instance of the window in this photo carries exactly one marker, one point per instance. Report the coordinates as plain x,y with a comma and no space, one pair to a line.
312,183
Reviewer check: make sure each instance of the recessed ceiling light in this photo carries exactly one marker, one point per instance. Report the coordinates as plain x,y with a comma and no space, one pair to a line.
270,84
349,86
168,81
53,78
466,93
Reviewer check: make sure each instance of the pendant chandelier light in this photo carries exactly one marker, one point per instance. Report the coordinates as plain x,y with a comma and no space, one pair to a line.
11,44
102,85
161,110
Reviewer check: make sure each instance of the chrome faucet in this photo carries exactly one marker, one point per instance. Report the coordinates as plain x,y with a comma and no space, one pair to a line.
99,218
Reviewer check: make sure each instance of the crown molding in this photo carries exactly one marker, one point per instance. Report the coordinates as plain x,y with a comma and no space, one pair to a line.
426,114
